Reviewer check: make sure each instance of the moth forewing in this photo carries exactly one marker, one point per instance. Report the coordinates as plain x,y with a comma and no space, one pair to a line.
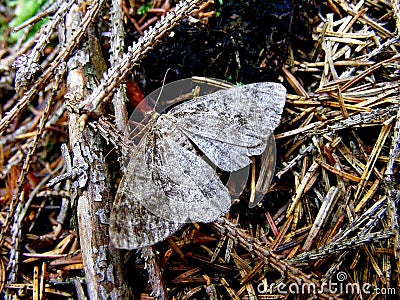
132,226
193,190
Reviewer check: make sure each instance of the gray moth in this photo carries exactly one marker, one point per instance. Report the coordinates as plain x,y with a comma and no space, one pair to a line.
167,182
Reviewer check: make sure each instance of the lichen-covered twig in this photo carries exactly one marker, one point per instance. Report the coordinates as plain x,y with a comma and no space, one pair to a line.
64,54
393,195
18,207
116,51
252,245
27,66
117,73
102,262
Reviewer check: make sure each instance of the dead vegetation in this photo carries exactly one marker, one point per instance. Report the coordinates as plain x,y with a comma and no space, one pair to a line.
328,225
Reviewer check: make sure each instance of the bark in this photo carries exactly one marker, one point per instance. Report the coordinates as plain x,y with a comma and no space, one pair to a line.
102,262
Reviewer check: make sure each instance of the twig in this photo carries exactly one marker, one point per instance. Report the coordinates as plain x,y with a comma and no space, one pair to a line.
250,244
61,57
105,90
117,48
102,262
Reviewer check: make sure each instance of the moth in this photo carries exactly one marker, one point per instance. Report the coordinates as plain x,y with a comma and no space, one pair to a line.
168,182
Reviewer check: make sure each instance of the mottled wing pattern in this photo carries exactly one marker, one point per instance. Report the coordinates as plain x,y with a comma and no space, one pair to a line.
192,187
132,225
167,183
231,125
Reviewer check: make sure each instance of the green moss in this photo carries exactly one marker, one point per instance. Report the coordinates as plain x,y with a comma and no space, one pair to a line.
23,11
143,9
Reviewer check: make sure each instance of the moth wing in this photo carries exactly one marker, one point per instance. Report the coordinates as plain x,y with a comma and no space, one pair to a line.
230,125
132,225
192,187
166,184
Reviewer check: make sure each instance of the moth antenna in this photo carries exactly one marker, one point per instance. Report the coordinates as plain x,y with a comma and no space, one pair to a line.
111,151
150,114
162,88
139,127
